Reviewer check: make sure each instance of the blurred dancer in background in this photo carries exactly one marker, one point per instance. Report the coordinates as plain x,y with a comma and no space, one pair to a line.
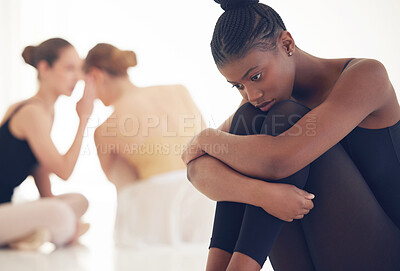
26,149
139,147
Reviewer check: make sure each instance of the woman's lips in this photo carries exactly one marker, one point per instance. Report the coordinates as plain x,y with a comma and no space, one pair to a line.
266,105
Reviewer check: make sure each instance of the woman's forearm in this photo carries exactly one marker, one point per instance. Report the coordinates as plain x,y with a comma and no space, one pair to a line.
42,181
221,183
71,157
253,155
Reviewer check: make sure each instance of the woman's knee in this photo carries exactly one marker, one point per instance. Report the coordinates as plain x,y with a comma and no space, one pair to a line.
247,120
60,220
82,202
77,201
283,115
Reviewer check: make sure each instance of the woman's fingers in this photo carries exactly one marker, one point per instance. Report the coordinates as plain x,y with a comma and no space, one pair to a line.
89,91
305,211
307,195
302,214
308,204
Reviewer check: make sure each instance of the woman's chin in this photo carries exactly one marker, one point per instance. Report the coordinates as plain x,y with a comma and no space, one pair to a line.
68,93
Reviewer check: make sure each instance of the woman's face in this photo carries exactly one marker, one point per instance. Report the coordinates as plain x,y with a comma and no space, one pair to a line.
261,76
100,80
65,72
101,89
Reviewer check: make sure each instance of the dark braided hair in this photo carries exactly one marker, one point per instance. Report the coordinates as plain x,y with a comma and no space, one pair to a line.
245,24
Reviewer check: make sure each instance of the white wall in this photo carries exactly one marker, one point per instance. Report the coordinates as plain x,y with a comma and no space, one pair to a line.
171,39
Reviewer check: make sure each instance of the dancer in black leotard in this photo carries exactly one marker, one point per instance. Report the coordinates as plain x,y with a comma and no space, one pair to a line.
329,126
26,149
16,160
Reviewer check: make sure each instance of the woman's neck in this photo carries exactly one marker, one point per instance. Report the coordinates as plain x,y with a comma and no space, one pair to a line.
314,76
47,95
120,86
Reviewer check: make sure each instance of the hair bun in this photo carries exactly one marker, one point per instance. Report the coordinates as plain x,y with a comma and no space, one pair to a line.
120,61
110,59
28,55
234,4
130,58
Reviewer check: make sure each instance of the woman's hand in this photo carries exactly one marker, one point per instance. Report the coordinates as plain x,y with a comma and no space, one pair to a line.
84,107
285,201
192,150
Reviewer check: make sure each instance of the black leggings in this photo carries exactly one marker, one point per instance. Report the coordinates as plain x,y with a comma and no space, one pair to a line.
346,230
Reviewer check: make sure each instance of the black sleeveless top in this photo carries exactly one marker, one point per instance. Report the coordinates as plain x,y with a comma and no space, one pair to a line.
16,160
376,153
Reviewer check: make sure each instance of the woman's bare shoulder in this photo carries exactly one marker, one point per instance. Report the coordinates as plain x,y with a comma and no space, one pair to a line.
173,88
11,109
363,64
366,79
174,93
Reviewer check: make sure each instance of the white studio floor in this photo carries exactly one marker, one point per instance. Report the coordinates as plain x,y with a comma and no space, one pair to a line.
97,251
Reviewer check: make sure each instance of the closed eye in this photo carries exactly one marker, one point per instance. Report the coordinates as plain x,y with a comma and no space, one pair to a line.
238,86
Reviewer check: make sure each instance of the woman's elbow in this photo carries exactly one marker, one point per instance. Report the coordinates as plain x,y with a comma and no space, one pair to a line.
276,168
196,170
192,171
63,173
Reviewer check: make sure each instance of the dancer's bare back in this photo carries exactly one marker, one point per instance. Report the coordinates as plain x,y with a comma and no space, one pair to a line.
147,132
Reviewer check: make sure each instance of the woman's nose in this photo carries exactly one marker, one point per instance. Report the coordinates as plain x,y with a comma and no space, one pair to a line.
253,94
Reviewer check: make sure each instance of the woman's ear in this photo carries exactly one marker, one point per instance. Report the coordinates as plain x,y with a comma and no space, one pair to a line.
287,41
98,75
43,68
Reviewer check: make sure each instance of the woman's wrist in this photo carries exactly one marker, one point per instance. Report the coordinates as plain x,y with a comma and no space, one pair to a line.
261,191
83,121
256,191
204,139
82,126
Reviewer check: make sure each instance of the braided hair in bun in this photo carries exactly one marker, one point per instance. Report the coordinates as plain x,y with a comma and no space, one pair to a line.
233,4
245,24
